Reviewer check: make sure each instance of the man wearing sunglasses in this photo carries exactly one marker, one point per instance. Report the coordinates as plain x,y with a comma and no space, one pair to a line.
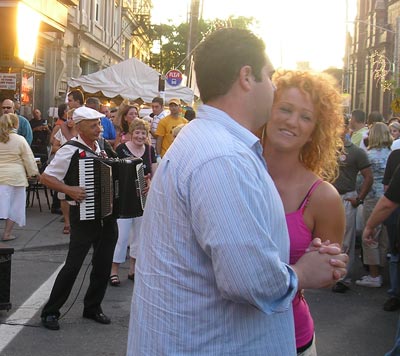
24,128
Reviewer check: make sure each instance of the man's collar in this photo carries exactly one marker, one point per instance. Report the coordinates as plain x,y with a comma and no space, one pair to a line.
96,144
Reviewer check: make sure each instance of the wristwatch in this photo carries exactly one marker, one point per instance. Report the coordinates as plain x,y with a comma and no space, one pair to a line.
359,201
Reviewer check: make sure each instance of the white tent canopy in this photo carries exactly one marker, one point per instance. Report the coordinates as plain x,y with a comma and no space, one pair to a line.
130,79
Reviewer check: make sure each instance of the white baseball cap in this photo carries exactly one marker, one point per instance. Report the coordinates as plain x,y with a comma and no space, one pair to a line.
85,113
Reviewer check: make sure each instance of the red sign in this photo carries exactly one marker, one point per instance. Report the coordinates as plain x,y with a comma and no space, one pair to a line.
174,77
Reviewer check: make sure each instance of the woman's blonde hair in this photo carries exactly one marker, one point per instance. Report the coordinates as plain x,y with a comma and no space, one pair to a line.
177,129
139,124
395,125
70,113
379,136
8,122
321,153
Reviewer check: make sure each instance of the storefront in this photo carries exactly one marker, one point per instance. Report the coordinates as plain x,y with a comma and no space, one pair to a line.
28,28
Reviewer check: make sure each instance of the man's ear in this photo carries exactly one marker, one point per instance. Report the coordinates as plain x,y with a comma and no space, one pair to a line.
246,77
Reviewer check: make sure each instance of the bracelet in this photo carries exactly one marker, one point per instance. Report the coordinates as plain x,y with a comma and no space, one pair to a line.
359,201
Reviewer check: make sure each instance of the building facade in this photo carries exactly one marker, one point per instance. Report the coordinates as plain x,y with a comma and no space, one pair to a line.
75,37
371,62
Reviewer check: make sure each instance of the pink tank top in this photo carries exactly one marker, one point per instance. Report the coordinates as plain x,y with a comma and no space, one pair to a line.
300,238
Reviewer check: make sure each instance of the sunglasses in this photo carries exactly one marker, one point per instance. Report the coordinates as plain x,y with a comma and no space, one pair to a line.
7,107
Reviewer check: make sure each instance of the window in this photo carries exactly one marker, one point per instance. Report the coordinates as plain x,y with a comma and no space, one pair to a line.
97,10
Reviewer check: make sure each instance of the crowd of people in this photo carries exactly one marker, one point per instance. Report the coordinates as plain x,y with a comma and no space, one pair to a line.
265,194
51,152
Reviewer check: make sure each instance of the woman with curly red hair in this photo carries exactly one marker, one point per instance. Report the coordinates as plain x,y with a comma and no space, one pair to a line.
301,143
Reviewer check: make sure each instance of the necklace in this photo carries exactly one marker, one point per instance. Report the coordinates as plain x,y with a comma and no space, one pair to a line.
136,151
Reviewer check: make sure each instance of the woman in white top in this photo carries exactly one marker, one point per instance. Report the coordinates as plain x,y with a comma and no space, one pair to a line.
16,164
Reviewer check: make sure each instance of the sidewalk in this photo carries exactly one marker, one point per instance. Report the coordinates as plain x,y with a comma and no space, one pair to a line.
42,229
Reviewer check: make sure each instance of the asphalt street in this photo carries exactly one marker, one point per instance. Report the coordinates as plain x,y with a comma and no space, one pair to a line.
350,324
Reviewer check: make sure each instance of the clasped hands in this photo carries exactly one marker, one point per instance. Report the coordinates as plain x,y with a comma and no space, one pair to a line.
321,266
339,262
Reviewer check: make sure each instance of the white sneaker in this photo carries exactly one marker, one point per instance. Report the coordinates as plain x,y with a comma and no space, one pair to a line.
364,277
368,281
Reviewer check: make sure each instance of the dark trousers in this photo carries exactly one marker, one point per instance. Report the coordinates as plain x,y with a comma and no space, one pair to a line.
392,227
102,235
56,202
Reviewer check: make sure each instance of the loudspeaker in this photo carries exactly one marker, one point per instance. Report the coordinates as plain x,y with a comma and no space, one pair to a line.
5,276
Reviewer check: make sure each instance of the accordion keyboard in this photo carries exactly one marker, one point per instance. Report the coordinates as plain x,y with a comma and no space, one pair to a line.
140,184
96,177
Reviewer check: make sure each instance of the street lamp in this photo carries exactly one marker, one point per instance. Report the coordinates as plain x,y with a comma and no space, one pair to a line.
373,25
381,70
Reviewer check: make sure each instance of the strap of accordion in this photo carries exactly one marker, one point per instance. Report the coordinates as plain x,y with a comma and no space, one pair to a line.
81,146
150,162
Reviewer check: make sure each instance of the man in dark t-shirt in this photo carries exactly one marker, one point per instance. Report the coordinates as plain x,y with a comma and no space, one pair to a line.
392,227
41,136
386,205
353,161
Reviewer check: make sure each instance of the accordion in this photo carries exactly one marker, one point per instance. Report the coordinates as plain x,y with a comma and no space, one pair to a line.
113,187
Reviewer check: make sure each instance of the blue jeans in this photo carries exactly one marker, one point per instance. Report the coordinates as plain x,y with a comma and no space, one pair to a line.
396,348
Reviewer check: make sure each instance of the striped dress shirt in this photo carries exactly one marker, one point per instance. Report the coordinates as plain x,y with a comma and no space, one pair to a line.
212,276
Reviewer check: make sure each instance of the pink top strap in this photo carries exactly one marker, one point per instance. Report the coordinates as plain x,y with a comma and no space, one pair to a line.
310,191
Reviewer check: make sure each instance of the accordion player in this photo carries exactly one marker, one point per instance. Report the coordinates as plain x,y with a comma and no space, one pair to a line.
113,186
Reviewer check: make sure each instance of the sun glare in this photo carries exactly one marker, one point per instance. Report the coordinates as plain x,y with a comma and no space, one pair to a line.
28,22
309,31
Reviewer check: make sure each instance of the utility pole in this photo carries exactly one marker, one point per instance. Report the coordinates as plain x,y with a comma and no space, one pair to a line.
346,81
192,38
397,52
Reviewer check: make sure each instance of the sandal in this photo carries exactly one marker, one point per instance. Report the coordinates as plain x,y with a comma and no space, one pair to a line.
10,238
66,230
114,280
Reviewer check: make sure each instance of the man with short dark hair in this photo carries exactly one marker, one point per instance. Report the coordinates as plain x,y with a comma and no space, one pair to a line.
41,136
113,114
352,162
75,99
108,132
24,128
213,274
104,109
157,106
357,125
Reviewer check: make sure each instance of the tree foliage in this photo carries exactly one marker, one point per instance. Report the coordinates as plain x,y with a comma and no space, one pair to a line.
336,73
173,40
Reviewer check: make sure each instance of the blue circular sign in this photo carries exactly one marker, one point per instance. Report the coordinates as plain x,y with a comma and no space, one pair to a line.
174,77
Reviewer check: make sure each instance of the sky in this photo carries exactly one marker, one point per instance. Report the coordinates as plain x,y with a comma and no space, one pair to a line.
294,31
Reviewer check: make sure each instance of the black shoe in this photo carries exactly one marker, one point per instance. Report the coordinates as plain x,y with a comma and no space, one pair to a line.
99,317
339,287
50,322
392,304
